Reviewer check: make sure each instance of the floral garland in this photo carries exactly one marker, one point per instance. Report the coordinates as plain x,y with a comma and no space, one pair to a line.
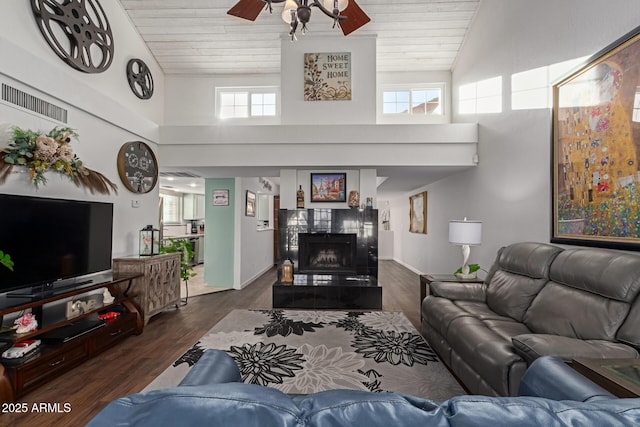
41,153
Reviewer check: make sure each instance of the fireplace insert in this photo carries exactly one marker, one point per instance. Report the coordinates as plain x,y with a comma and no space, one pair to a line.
328,253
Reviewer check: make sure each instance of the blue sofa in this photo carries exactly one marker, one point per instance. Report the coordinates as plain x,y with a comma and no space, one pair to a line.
552,394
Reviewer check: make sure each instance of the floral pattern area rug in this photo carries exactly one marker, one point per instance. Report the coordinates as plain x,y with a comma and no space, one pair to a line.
309,351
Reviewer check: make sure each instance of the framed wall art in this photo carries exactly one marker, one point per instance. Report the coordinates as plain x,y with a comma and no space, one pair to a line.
327,76
596,150
328,187
220,197
250,207
418,213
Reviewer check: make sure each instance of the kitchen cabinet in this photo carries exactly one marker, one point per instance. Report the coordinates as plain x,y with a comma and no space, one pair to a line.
193,206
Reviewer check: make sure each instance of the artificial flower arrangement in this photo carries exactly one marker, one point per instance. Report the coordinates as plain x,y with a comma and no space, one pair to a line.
26,323
40,153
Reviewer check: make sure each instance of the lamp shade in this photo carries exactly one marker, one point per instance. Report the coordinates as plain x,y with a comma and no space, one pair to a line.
465,232
289,5
342,4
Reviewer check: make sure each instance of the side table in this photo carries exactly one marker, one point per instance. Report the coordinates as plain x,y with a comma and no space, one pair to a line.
620,377
427,279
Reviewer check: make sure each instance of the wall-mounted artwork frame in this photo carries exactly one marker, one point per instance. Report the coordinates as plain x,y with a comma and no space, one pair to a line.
250,205
596,150
220,198
327,76
328,187
418,213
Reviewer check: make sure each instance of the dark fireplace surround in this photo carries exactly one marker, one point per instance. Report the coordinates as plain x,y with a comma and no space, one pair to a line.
329,241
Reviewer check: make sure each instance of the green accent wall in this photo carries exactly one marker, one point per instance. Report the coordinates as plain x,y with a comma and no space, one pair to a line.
219,234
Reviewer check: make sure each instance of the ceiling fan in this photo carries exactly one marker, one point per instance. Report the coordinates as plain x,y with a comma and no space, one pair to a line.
347,14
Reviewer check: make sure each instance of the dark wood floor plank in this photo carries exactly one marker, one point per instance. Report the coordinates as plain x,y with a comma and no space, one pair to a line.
131,365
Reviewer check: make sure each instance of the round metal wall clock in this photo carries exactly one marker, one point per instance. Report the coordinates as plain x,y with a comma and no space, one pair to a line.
140,78
137,167
78,31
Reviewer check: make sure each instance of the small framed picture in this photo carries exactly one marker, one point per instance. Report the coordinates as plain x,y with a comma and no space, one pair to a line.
220,197
328,187
418,213
250,209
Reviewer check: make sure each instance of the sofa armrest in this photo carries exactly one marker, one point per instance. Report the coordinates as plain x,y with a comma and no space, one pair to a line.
551,378
532,346
459,291
214,367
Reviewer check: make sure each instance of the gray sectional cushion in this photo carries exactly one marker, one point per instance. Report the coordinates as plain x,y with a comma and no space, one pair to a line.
480,310
603,272
629,332
561,310
528,259
511,294
507,328
532,346
459,291
438,313
520,272
490,355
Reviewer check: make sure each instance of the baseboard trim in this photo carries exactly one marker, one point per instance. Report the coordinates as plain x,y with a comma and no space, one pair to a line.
405,265
251,280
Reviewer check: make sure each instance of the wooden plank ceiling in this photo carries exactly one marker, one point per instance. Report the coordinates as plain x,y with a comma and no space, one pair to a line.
198,37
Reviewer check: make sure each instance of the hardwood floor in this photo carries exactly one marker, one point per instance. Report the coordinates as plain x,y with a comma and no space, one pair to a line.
129,366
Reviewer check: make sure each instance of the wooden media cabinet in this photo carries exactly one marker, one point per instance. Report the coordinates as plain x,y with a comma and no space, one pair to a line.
53,358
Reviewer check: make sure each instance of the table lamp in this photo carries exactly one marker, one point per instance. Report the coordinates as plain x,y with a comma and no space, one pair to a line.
465,233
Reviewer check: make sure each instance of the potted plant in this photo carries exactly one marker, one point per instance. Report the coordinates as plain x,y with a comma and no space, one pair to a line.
186,254
5,260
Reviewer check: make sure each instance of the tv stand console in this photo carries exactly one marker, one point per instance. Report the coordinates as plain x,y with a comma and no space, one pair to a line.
53,358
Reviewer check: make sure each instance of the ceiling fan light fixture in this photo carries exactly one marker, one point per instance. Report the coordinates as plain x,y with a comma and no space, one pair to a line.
298,13
289,6
329,4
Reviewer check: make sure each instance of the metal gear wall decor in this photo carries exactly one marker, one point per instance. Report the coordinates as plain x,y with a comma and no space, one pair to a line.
77,31
140,78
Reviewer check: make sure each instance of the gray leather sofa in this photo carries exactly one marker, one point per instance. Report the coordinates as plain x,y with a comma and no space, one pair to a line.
537,300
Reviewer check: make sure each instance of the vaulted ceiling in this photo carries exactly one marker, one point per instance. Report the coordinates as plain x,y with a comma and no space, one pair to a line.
199,37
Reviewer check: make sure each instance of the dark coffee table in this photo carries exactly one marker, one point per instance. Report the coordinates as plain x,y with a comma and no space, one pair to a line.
329,291
620,377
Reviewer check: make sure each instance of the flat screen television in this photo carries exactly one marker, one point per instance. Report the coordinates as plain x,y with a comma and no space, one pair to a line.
53,242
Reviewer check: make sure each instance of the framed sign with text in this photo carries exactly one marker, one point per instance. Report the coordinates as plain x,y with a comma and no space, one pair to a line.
327,76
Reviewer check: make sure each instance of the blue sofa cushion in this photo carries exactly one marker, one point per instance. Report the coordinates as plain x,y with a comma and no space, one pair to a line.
237,404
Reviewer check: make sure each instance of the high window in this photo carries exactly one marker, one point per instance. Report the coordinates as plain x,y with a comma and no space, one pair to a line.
423,101
246,103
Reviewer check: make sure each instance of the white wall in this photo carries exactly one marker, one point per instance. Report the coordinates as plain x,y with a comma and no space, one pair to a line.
97,146
510,190
107,94
101,108
191,99
361,180
256,247
362,107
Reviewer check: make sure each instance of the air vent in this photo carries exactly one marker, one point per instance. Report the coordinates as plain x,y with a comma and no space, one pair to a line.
32,103
179,175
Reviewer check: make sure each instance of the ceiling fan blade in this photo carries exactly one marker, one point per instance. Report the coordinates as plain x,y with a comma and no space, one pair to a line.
356,18
247,9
